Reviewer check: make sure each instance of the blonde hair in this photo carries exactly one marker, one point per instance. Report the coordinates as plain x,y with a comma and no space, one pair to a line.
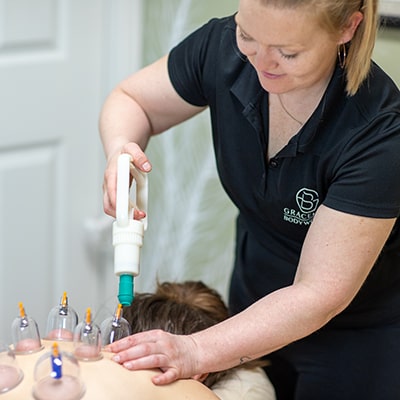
333,16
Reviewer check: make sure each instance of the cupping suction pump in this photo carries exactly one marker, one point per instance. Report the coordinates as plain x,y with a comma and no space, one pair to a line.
127,232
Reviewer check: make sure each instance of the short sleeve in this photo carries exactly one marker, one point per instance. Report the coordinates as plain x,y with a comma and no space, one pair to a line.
192,63
366,179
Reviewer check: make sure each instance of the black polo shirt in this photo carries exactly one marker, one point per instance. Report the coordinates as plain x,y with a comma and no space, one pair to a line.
347,156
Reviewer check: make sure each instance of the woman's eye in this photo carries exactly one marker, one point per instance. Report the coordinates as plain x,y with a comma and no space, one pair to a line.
244,37
287,56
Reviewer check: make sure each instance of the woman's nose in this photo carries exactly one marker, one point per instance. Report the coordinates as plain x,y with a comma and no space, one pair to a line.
264,59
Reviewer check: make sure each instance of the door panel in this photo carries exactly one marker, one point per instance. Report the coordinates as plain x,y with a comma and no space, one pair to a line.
55,70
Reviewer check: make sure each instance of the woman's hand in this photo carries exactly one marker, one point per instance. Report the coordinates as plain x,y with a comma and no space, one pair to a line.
174,355
139,160
143,105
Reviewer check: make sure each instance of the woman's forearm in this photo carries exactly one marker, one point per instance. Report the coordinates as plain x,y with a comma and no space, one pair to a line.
271,323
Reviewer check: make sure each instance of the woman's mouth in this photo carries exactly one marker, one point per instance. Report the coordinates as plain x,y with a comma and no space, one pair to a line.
268,75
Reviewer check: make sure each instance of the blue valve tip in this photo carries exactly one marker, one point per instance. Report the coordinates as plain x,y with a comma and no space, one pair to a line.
125,293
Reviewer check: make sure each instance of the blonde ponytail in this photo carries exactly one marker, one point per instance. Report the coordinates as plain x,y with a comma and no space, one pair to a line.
358,62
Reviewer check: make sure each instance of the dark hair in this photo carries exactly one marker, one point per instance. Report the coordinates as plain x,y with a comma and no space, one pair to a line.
179,308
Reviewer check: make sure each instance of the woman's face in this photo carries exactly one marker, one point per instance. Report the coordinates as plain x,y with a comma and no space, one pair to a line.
287,47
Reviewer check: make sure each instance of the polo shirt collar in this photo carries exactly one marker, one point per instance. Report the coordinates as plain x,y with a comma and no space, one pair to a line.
248,91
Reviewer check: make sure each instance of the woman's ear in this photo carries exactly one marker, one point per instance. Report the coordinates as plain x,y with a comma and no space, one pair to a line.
200,377
351,27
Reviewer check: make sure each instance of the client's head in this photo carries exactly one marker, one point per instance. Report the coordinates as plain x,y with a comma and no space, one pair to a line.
179,308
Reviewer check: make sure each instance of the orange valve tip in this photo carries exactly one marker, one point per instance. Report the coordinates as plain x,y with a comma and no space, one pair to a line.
21,310
64,299
119,311
55,349
88,315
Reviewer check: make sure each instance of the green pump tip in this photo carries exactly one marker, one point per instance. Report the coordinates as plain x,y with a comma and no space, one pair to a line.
125,294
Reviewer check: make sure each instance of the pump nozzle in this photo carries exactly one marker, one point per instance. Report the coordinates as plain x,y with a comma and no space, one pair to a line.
127,232
126,289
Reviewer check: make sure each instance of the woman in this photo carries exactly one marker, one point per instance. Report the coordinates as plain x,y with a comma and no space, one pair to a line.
306,132
191,306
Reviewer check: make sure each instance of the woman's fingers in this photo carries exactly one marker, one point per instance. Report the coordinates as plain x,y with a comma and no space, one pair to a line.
172,354
139,160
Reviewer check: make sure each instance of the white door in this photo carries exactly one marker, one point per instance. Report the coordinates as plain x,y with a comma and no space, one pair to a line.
58,59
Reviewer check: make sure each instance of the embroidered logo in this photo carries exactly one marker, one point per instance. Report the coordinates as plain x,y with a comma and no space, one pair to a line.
307,201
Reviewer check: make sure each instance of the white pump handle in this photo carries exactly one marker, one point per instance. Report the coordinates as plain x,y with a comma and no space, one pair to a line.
125,207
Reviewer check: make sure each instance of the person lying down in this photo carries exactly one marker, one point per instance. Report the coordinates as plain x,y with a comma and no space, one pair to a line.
188,307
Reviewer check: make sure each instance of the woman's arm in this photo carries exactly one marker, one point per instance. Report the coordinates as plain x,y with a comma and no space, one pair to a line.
143,105
339,251
338,254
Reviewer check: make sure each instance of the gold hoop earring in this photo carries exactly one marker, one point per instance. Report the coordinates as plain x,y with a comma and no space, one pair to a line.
342,55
